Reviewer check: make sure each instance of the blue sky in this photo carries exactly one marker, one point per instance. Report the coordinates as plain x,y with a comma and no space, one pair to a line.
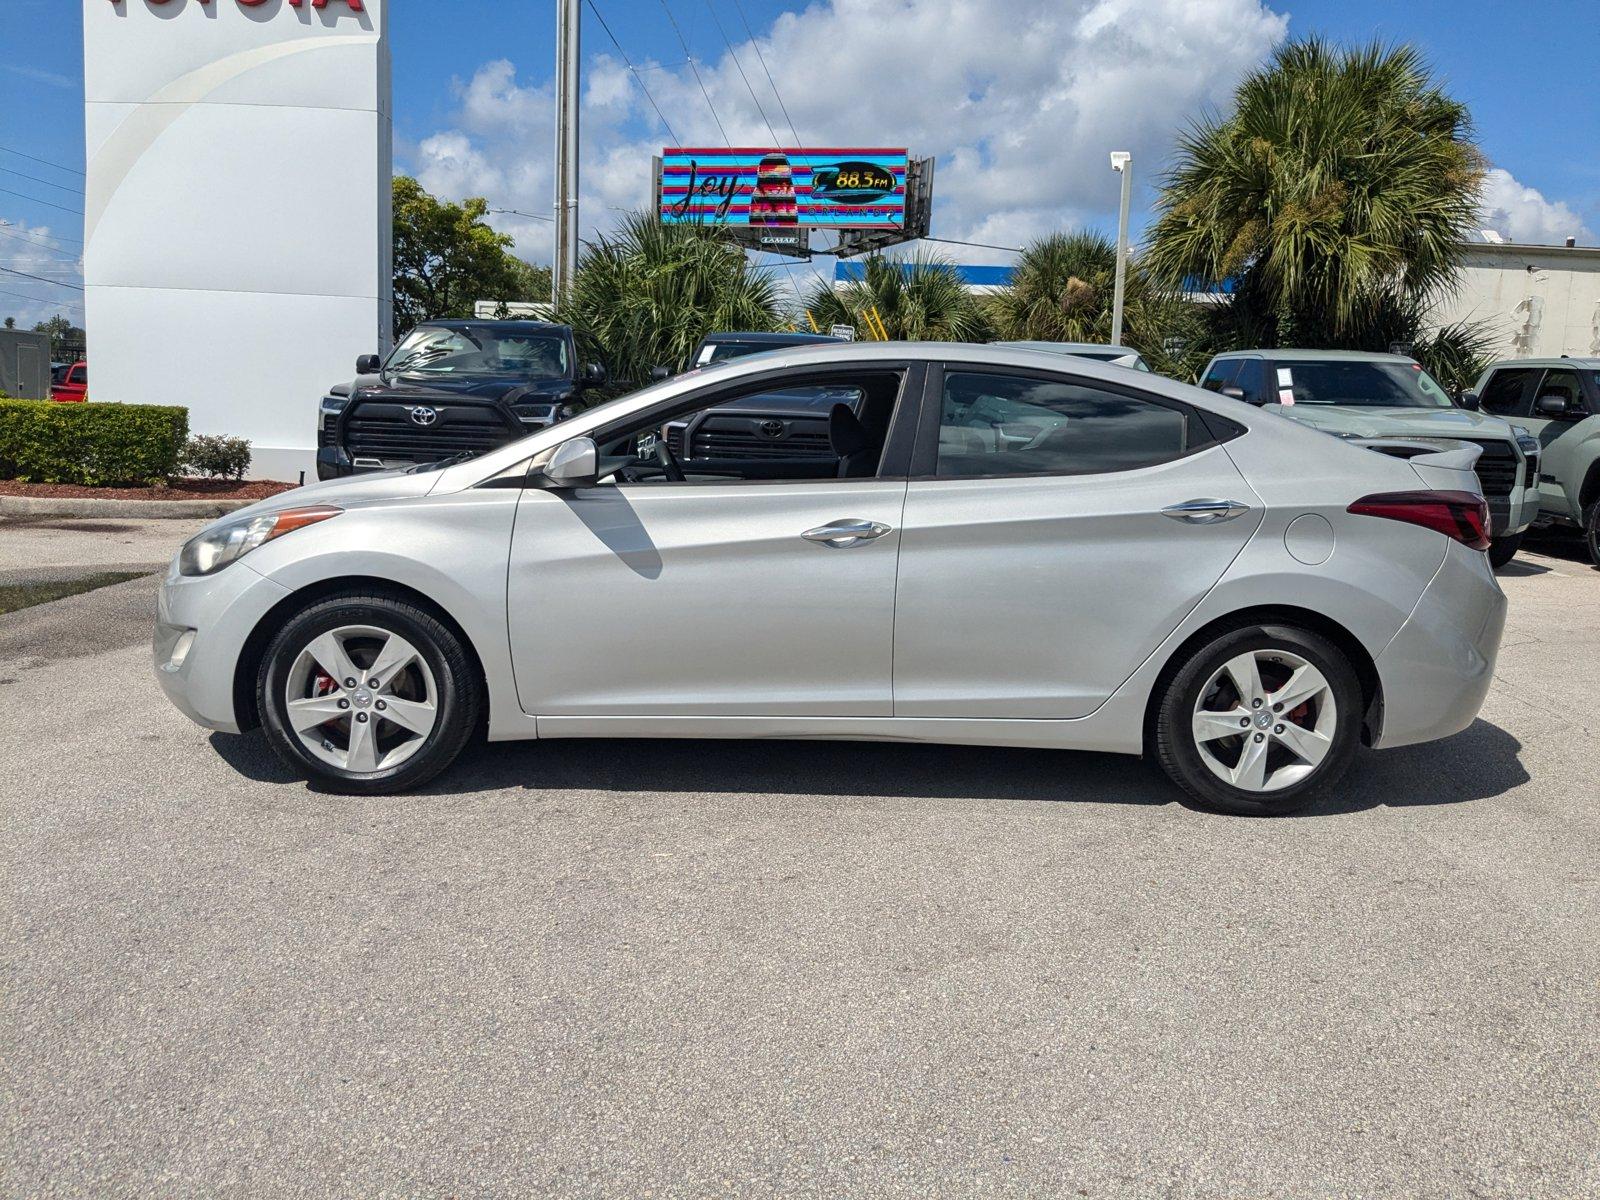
1019,99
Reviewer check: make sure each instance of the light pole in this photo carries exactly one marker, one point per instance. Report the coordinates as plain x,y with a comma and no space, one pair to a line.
565,261
1122,164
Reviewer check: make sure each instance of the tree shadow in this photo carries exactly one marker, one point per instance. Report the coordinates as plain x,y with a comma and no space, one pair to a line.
1476,764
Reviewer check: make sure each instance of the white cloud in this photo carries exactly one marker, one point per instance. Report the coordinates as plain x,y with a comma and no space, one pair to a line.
1520,213
32,250
1019,100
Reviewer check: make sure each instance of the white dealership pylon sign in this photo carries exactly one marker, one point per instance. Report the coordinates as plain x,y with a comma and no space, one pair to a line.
237,221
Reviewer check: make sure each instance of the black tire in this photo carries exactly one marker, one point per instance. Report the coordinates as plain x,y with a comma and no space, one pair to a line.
1591,532
1503,549
1175,742
459,691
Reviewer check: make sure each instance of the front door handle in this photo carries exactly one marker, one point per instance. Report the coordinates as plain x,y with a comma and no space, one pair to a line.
843,534
1205,512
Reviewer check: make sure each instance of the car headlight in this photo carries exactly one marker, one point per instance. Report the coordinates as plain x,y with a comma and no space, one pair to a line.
332,406
208,552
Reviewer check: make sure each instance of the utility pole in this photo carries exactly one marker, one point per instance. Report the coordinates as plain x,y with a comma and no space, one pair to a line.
1122,164
565,265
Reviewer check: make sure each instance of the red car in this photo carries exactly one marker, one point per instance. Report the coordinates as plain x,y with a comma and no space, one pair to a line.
73,386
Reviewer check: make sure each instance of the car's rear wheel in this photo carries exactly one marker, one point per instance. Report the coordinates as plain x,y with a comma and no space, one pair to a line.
367,694
1503,549
1591,532
1261,721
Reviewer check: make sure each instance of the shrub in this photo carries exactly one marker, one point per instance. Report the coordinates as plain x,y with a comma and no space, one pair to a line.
97,445
215,456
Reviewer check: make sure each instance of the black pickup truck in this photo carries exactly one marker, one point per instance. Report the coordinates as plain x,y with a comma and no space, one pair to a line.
450,388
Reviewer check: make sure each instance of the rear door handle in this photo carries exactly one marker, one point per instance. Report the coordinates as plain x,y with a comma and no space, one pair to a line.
1205,512
841,535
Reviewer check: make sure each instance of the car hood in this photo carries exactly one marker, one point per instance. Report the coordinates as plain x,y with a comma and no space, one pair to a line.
350,492
1353,421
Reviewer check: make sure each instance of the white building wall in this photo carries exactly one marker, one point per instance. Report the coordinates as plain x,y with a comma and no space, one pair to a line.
1538,301
237,228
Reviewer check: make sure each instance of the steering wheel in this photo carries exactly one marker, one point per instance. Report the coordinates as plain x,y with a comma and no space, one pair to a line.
668,461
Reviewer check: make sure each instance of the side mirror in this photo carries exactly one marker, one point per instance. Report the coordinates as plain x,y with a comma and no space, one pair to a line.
1235,393
575,463
593,375
368,364
1552,404
657,374
1468,401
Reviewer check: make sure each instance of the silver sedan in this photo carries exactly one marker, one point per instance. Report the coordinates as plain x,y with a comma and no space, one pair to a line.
942,543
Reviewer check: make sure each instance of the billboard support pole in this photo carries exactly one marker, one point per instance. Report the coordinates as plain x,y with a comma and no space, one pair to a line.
565,261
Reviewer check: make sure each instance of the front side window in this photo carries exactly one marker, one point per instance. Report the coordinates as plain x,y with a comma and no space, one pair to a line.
1252,380
1506,393
992,424
1362,384
1564,384
1220,374
434,352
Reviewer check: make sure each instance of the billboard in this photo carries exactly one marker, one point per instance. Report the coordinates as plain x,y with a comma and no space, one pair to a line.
777,188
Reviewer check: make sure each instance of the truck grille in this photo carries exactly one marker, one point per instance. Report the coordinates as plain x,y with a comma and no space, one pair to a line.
1497,468
759,438
378,429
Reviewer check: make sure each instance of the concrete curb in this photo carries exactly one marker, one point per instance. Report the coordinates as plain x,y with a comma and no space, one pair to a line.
144,510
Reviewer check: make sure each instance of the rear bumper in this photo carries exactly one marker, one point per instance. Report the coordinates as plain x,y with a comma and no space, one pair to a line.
1437,669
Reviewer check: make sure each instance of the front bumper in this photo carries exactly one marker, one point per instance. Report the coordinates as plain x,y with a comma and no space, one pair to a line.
1437,669
209,619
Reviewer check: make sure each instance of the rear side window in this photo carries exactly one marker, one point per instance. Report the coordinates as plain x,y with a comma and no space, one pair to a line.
1506,393
992,424
1220,374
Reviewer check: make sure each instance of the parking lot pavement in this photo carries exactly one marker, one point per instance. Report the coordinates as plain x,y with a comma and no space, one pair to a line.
44,549
630,968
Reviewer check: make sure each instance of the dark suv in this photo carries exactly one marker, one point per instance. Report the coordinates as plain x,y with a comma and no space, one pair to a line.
450,388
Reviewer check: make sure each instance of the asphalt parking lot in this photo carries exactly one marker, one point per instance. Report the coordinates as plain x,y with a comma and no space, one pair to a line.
650,968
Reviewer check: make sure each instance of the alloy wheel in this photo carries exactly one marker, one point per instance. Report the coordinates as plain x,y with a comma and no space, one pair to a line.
1265,720
361,698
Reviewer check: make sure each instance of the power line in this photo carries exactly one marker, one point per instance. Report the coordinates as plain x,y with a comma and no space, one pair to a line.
696,71
66,254
718,22
42,279
39,300
45,161
46,203
40,237
71,191
513,212
637,78
762,58
980,245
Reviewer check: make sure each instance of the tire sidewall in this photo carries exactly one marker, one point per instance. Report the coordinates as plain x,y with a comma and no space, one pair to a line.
1182,756
1591,532
426,634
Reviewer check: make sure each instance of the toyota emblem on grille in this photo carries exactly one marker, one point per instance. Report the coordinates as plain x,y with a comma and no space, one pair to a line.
771,429
423,415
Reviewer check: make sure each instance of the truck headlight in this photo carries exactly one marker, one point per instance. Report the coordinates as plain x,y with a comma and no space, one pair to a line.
332,406
208,552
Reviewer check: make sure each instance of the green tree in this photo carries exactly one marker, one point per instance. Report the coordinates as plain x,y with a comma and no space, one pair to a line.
1342,184
66,339
446,259
915,299
645,296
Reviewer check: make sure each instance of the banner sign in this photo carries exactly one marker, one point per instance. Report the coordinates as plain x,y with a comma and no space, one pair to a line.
829,188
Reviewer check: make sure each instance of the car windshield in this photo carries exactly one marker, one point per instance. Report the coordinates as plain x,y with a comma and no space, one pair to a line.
723,351
1361,384
480,350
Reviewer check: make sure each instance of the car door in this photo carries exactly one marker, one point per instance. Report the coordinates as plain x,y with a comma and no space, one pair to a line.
1056,530
708,597
1560,438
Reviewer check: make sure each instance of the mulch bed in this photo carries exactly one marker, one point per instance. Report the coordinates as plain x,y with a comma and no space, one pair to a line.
178,489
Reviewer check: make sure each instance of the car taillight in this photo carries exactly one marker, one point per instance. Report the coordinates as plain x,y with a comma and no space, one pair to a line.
1460,515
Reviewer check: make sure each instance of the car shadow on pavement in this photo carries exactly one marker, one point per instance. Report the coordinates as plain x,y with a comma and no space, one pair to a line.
1476,764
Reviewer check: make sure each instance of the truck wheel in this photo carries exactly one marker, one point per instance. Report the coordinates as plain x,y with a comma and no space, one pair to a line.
1591,532
1503,549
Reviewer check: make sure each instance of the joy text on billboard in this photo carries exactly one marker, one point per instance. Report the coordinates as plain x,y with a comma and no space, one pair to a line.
777,186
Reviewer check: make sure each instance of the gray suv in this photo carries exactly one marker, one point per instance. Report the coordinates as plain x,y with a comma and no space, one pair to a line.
1354,394
1559,400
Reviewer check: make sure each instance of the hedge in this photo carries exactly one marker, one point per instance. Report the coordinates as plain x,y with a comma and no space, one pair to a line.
97,445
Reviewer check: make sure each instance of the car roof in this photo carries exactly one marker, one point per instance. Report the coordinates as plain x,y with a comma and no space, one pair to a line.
513,326
1586,364
1318,355
772,339
1067,347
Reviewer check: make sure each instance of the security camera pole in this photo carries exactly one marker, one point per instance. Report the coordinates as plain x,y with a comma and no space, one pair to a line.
1122,164
565,263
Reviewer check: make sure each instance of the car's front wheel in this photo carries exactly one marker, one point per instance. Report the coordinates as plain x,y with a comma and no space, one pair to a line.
1261,721
367,694
1591,532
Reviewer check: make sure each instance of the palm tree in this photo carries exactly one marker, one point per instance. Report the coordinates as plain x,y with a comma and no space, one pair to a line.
915,299
1060,290
1342,176
646,295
